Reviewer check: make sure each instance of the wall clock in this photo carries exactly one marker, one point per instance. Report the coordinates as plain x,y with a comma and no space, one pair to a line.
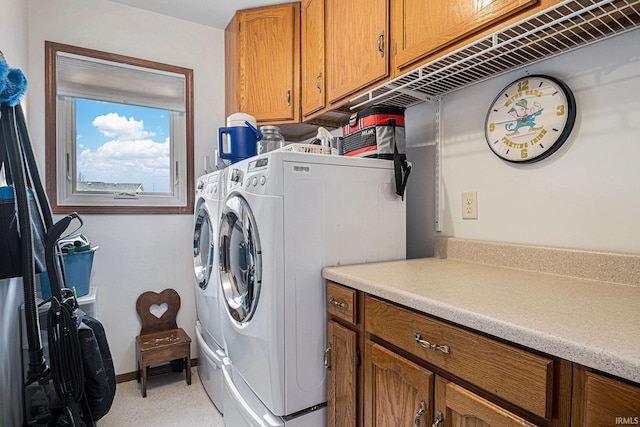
530,119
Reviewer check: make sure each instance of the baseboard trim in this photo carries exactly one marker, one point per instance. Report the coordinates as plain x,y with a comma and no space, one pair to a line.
154,370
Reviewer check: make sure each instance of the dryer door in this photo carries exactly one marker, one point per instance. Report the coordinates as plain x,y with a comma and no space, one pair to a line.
203,247
240,259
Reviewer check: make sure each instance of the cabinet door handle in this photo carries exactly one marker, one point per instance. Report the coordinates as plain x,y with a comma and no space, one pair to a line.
438,420
318,82
327,358
429,346
381,44
338,304
289,97
421,410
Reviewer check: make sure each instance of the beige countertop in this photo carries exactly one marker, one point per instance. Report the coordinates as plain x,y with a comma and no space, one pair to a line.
594,323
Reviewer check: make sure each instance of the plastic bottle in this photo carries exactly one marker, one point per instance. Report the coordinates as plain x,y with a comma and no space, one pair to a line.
271,140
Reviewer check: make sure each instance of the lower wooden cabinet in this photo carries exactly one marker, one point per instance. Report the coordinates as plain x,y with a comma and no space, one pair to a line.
602,401
341,360
455,377
343,357
397,391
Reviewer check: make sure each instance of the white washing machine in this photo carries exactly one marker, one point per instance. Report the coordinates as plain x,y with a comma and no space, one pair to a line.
285,217
209,195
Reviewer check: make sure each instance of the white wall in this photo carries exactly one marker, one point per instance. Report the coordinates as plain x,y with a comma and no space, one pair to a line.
586,195
137,252
13,44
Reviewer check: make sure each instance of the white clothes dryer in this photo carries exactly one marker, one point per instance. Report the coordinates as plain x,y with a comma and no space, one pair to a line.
286,216
209,195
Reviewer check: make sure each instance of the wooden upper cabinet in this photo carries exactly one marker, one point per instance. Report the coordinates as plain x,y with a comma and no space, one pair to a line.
420,28
231,98
357,43
267,63
313,75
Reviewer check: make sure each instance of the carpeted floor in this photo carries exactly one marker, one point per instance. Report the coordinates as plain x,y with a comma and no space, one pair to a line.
170,402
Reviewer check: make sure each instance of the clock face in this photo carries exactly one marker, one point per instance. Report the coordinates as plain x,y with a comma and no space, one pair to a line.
530,119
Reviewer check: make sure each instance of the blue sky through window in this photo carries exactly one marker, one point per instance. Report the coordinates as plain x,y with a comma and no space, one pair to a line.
121,143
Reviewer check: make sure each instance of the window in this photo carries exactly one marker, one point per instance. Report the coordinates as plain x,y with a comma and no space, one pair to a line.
121,132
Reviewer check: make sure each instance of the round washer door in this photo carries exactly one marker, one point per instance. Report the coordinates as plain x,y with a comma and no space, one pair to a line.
240,259
203,247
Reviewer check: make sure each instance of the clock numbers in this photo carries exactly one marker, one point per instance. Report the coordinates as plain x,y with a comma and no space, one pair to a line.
560,110
523,153
492,127
523,85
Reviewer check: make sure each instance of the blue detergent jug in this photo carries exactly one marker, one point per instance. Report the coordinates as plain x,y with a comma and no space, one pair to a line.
237,143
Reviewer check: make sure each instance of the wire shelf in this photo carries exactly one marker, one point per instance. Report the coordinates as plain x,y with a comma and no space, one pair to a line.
564,27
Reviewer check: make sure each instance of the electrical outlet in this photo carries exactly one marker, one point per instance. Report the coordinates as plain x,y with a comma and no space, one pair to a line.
470,205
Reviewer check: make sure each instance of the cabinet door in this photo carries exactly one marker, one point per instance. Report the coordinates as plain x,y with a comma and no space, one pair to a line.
342,378
398,392
312,87
456,406
422,27
602,401
356,45
268,62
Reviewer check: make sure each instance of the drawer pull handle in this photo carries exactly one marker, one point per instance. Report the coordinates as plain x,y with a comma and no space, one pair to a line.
421,410
438,420
338,304
429,346
327,358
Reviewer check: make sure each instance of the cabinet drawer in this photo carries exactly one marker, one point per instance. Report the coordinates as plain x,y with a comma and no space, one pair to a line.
513,374
341,302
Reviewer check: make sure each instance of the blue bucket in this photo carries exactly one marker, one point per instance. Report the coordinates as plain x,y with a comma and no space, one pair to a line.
77,268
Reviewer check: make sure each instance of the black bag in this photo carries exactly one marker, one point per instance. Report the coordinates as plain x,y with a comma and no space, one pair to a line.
99,373
10,252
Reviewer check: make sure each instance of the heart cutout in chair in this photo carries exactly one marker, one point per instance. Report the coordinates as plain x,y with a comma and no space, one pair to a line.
150,306
159,310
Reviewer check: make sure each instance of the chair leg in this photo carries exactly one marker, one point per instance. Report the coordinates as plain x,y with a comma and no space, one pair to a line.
144,381
188,370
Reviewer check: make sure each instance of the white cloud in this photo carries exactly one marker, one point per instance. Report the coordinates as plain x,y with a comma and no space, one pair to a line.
113,125
131,156
130,149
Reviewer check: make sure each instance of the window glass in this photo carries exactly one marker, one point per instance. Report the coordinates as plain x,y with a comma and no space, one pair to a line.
122,148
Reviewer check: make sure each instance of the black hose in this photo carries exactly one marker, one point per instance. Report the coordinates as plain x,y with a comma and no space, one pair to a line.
66,358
